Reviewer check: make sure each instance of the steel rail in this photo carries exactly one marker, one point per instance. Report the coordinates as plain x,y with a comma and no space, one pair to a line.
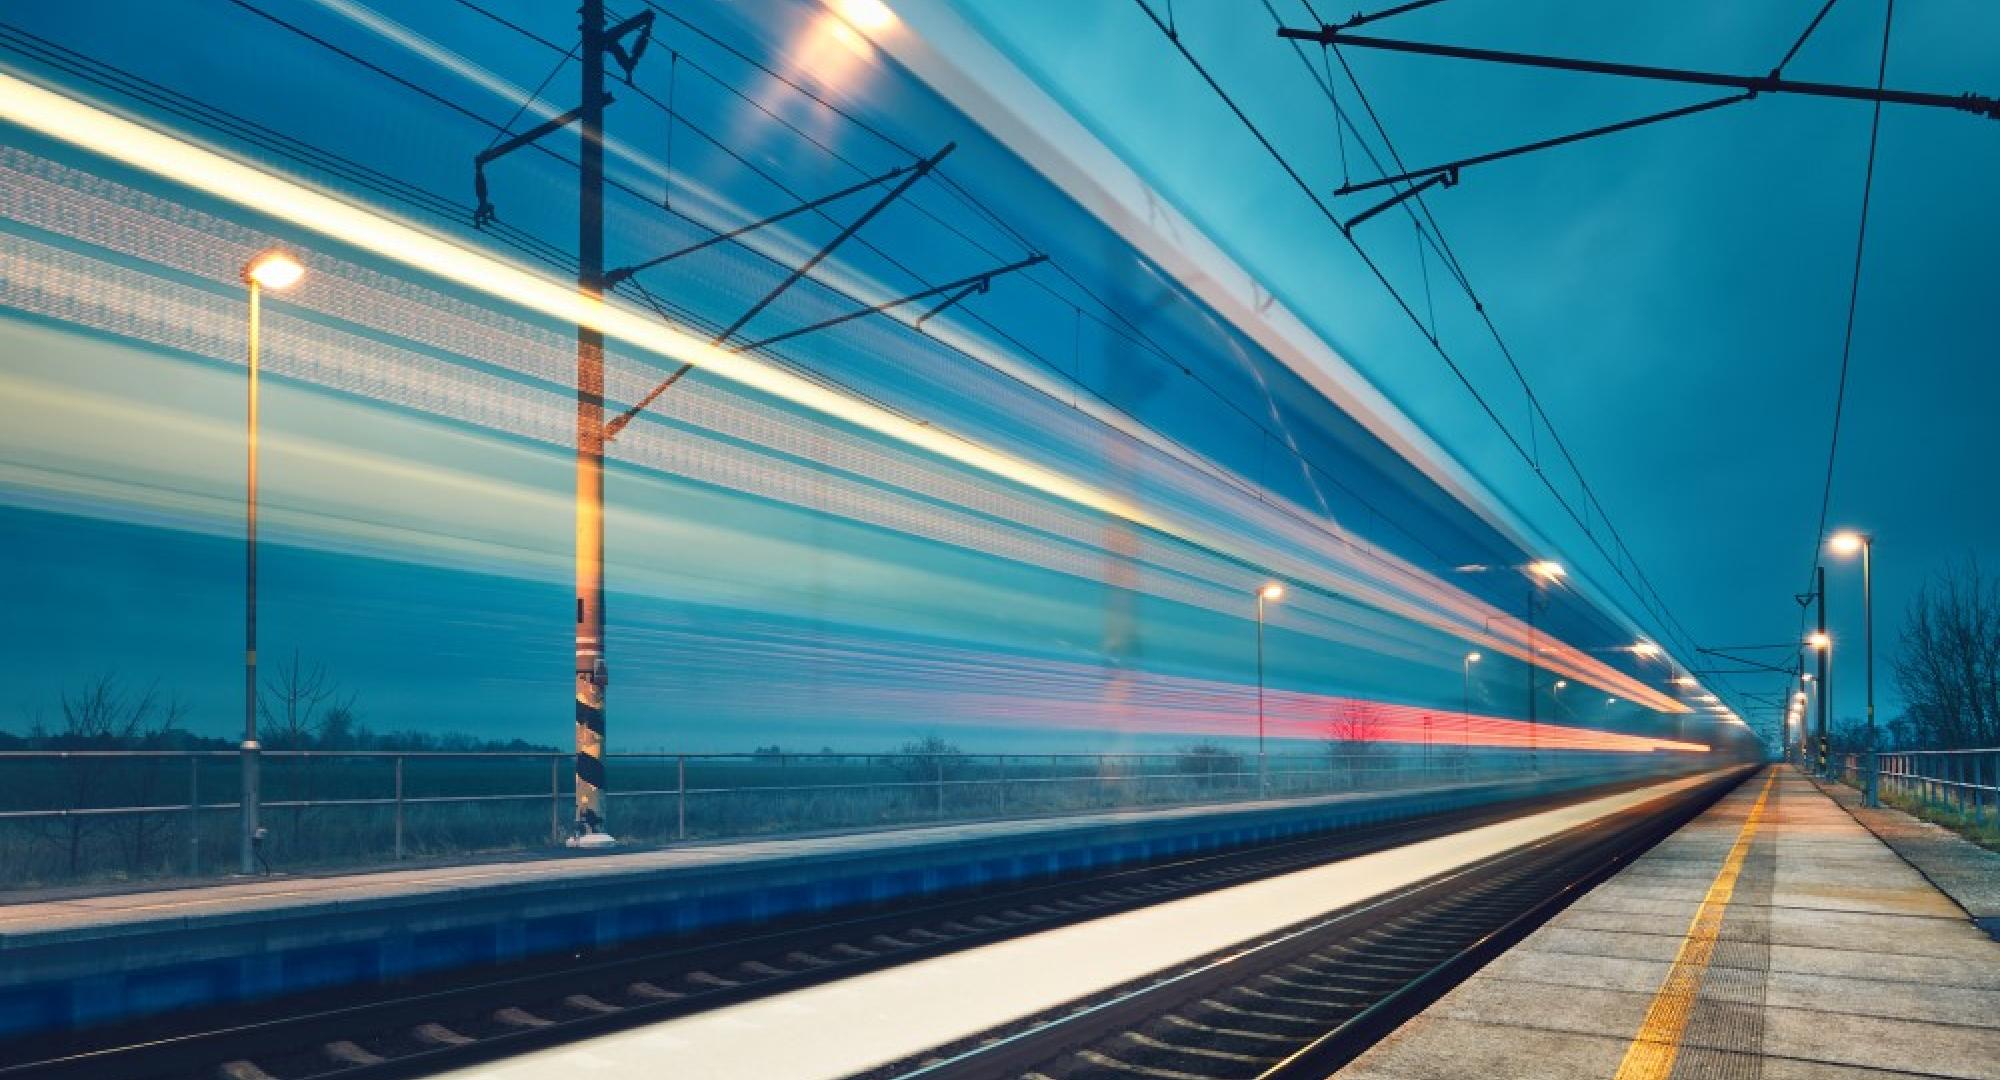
1578,860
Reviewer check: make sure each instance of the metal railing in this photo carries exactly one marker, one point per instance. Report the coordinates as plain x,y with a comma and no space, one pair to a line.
1965,781
68,815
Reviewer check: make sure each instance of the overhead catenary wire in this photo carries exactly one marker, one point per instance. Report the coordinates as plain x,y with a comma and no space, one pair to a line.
1291,171
1853,302
1132,334
1792,52
1657,607
694,320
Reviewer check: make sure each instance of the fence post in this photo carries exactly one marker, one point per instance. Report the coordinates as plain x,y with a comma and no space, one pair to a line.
937,765
680,797
1979,792
194,815
555,799
1003,784
399,808
246,803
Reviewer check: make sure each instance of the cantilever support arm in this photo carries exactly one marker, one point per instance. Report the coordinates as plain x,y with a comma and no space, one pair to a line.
1452,167
910,176
1977,104
1447,177
615,276
918,172
967,285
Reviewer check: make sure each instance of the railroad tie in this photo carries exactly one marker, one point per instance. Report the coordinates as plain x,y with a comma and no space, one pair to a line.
516,1017
1198,1051
1234,1033
435,1035
1106,1061
241,1070
349,1052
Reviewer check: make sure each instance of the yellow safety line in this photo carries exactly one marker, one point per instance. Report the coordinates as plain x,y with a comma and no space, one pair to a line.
1651,1056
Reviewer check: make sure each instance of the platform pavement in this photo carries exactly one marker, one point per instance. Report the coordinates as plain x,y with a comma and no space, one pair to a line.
1773,937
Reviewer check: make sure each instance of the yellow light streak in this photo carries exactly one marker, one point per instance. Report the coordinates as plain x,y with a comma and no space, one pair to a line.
114,137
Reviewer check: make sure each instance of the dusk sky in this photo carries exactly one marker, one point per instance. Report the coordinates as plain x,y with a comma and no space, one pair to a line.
1676,296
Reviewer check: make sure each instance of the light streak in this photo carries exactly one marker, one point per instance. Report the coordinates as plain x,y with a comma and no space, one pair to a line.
1404,592
853,680
92,129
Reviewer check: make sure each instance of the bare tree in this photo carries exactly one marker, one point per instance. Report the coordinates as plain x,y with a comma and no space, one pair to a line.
299,707
1948,662
105,716
1352,740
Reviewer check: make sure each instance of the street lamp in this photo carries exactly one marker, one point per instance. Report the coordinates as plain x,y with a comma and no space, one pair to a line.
1270,593
1849,542
276,270
1542,573
1465,739
1547,573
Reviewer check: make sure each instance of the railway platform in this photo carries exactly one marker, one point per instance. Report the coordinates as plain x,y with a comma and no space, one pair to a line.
1779,935
69,964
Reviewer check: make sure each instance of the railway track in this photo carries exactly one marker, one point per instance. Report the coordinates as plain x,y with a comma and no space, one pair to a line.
423,1028
1302,1003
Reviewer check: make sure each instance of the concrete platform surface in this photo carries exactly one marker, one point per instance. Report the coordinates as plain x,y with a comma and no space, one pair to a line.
1966,872
1774,937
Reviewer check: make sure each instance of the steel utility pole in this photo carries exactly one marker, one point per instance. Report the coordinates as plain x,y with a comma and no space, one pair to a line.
626,43
1824,655
594,42
1868,661
592,672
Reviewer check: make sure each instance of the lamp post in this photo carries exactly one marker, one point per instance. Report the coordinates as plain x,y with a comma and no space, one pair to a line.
1270,593
274,270
1545,573
1465,737
1821,644
1805,715
1847,543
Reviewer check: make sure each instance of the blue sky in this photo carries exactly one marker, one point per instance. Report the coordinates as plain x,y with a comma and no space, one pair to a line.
1675,295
